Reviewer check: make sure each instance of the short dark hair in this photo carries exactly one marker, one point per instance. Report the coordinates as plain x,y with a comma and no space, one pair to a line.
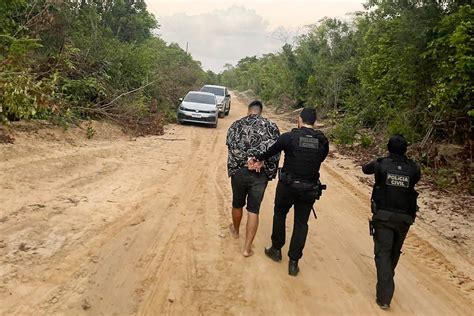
308,116
256,105
397,144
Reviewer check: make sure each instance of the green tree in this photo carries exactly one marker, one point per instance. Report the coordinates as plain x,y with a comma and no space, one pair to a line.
76,57
397,67
453,53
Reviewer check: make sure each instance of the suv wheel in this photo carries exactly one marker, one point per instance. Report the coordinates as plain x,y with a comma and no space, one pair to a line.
228,110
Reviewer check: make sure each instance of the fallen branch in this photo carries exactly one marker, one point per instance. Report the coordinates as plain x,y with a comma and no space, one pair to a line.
427,137
127,93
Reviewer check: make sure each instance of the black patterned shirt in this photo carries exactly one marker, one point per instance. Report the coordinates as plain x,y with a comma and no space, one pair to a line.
248,137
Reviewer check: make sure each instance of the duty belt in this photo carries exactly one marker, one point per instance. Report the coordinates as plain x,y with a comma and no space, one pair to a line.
302,185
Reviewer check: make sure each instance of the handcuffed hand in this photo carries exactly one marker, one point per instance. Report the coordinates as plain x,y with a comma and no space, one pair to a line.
255,165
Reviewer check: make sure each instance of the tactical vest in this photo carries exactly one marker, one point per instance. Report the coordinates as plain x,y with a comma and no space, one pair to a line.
303,159
394,188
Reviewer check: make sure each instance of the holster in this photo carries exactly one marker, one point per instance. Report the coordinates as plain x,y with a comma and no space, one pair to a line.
317,191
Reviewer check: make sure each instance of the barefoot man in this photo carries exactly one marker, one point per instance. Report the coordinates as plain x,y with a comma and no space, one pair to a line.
248,137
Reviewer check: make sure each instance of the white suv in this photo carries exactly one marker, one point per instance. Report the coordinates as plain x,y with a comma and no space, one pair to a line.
223,98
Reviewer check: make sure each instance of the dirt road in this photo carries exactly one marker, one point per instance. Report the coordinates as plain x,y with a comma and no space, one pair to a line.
139,227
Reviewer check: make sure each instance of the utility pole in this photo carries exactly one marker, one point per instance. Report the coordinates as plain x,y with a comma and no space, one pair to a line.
187,47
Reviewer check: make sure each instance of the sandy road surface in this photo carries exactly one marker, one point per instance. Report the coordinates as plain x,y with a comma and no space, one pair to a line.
139,227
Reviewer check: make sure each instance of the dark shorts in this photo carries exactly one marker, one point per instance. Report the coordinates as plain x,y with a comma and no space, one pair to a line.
248,185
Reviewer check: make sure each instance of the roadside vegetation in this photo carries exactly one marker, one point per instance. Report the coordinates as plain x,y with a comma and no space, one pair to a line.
397,67
80,59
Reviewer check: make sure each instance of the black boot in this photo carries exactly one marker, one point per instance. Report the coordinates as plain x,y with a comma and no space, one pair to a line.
273,253
383,306
293,268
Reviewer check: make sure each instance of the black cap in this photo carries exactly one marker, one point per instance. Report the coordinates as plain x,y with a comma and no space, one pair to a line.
308,115
397,144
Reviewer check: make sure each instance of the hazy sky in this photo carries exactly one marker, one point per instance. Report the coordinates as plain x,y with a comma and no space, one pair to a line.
225,31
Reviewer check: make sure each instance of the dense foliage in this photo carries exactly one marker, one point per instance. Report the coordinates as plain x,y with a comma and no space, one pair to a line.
398,66
82,58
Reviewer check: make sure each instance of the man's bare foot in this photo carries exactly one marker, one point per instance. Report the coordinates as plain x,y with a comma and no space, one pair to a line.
233,232
248,253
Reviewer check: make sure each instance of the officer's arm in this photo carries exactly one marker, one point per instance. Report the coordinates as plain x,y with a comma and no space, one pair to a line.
369,168
417,176
282,143
325,150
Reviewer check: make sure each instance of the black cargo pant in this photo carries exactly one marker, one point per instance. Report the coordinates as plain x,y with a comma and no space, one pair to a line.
388,241
285,198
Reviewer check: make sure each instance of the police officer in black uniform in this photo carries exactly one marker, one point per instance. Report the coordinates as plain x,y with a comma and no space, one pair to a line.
305,149
394,209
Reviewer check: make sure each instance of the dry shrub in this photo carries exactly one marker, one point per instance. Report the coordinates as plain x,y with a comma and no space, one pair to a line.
6,137
152,124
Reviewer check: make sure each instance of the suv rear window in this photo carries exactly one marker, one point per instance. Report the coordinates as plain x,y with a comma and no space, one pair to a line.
214,90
